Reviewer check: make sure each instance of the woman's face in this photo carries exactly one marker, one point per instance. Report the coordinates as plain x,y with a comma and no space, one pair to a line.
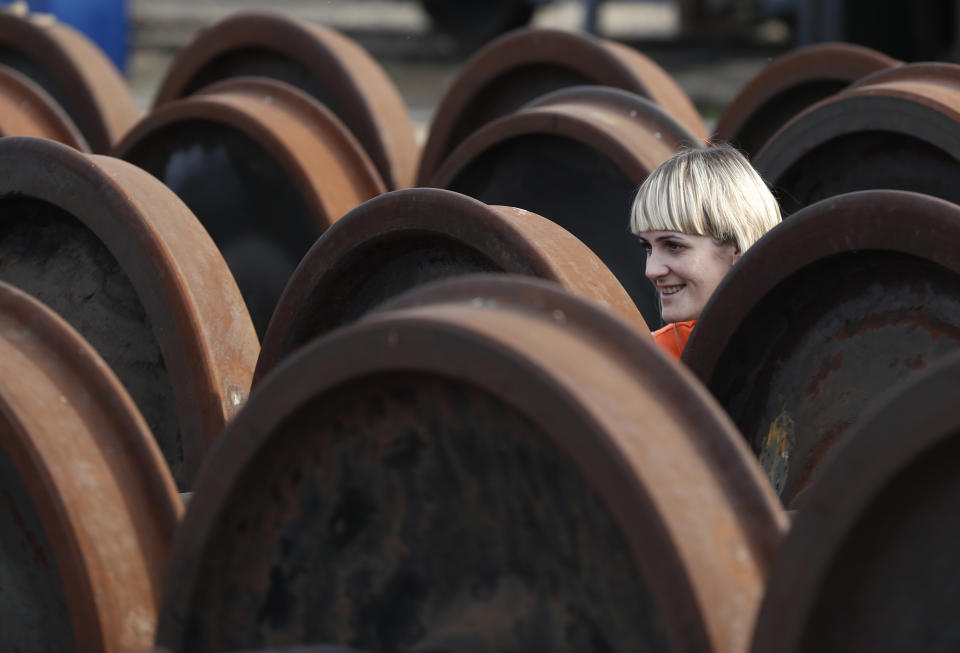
685,270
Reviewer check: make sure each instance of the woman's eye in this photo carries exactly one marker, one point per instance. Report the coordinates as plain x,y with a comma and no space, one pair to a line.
674,247
646,247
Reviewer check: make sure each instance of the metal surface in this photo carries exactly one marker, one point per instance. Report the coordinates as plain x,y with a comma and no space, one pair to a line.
265,168
320,648
320,61
307,649
27,110
517,68
790,84
841,301
576,157
89,508
870,562
117,255
897,129
407,238
466,477
74,71
543,299
547,300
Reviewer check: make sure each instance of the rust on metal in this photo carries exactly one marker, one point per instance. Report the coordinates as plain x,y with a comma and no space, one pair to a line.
406,238
320,648
468,476
546,299
327,65
898,129
575,157
843,300
876,532
75,72
521,66
265,168
115,253
88,508
27,110
791,83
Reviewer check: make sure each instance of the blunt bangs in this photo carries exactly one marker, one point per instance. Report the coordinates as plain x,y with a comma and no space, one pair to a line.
710,191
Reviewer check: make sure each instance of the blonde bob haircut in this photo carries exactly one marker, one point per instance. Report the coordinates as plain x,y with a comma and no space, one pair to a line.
712,191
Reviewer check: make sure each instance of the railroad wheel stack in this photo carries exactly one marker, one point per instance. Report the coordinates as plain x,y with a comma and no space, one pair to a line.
433,418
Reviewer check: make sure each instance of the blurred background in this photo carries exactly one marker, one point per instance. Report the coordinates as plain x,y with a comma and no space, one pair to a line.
711,47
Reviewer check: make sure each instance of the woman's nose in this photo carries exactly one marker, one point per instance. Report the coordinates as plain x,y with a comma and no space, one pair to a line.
655,267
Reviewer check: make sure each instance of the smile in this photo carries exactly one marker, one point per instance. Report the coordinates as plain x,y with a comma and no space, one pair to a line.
670,290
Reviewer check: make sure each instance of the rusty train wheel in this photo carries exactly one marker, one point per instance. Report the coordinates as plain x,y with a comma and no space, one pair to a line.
74,71
640,111
575,157
519,67
869,562
322,648
89,508
841,301
466,475
894,129
933,72
320,61
265,168
115,253
407,238
790,84
545,299
27,110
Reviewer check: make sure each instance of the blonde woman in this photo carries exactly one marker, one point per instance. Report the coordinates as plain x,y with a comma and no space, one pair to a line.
696,214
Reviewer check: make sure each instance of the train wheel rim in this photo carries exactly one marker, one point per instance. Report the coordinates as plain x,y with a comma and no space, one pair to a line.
910,432
652,116
375,252
900,129
790,84
575,158
266,169
100,507
546,299
522,360
586,60
76,73
794,355
336,71
179,330
28,110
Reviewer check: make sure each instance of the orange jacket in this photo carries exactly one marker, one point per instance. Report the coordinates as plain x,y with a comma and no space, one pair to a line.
673,337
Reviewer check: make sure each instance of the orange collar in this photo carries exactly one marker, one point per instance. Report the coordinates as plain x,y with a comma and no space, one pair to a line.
673,337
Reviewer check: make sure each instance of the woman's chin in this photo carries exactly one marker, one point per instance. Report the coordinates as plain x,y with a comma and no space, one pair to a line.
676,315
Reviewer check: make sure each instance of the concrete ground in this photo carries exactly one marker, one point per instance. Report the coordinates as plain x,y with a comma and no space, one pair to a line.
423,63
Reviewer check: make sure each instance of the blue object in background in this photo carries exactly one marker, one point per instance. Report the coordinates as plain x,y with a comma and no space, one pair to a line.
104,21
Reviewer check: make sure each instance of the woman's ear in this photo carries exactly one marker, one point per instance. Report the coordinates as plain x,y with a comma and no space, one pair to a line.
735,251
